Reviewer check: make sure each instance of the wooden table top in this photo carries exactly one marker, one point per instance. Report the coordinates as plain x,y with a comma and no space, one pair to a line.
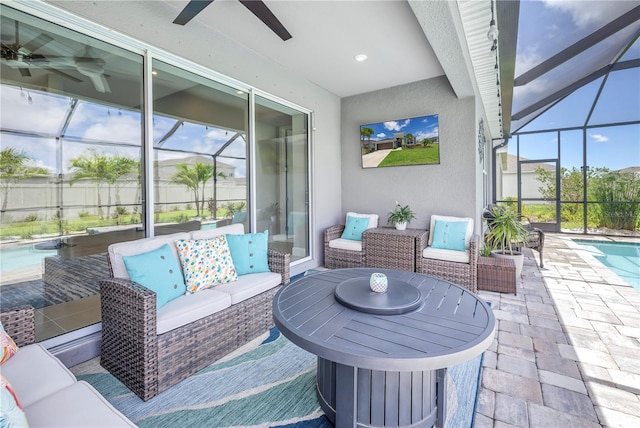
453,325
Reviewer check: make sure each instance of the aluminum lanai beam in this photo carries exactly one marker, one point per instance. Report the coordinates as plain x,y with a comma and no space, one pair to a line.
580,46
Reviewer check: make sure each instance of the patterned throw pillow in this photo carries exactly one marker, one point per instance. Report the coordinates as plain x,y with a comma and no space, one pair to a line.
11,411
206,262
7,346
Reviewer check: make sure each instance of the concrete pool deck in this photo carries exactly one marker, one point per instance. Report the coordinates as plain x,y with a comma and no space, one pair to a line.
567,349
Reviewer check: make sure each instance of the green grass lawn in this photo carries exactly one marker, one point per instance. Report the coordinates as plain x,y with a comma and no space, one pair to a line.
415,156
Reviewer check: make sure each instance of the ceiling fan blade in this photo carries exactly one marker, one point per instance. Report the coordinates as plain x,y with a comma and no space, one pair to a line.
259,9
24,72
35,44
62,73
100,83
189,12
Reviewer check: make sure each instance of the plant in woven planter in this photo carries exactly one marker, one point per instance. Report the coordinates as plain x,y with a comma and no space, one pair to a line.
400,216
506,233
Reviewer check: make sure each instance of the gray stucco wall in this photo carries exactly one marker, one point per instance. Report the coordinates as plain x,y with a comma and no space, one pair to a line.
446,189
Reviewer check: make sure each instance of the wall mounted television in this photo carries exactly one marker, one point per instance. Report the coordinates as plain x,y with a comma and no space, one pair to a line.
412,141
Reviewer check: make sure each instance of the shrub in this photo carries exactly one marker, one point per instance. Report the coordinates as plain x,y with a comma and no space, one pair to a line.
31,218
617,195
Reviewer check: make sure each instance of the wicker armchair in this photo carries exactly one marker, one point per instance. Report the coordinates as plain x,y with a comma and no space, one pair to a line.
149,363
20,324
353,256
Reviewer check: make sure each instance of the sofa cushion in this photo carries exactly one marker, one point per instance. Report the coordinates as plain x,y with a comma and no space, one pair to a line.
346,244
190,307
235,229
468,234
206,262
354,228
249,252
446,255
449,235
8,347
130,248
11,411
250,285
78,405
35,373
158,270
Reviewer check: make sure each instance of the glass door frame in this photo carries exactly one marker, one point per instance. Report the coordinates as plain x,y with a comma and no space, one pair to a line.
547,227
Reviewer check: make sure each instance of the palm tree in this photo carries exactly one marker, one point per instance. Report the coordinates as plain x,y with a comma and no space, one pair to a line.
365,133
192,178
120,166
13,168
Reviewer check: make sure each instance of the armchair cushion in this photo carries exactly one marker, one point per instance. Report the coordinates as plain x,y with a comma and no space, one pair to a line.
373,218
158,270
468,232
346,244
449,235
446,255
354,228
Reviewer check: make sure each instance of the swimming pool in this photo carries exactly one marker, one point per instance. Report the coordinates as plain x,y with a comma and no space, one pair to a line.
23,257
623,258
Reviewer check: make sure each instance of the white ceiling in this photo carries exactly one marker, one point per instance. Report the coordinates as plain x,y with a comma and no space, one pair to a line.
326,37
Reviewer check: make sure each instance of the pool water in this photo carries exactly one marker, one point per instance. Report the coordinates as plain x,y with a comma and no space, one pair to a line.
22,258
623,258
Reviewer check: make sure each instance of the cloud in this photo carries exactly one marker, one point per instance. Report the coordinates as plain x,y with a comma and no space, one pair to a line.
395,125
381,135
599,138
592,13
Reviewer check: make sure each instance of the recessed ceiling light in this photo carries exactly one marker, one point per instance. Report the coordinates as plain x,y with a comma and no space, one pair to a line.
360,57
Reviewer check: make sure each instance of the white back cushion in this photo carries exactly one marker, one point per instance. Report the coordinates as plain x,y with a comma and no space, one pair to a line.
468,234
139,246
373,218
233,229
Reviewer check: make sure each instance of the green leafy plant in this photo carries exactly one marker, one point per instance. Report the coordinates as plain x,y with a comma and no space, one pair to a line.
505,229
401,214
487,248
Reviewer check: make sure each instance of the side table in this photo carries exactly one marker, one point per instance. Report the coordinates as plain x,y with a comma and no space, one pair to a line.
389,248
496,274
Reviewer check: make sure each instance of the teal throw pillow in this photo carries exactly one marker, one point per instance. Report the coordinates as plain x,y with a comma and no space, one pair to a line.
449,235
354,228
249,252
159,271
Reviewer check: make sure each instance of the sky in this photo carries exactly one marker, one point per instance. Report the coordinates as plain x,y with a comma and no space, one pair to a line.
421,127
546,28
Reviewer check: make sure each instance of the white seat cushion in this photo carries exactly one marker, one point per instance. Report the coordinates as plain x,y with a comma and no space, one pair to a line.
346,244
468,234
35,373
139,246
249,285
78,405
191,307
446,255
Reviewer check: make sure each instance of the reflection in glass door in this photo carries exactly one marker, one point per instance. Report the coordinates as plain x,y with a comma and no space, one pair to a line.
538,190
281,165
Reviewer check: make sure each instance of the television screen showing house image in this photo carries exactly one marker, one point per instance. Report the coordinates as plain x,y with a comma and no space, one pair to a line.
412,141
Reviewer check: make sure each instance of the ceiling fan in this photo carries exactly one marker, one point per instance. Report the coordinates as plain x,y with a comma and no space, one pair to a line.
24,58
257,7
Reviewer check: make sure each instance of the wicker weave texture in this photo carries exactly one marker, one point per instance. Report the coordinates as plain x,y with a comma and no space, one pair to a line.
20,324
148,363
464,274
392,249
336,258
496,274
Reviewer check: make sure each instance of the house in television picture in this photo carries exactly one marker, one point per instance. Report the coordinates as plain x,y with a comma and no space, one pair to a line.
507,176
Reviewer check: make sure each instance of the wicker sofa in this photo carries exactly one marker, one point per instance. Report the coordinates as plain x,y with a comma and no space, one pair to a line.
49,393
151,349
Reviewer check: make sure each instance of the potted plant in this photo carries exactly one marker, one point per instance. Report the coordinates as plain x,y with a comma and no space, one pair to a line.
506,233
400,216
272,211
